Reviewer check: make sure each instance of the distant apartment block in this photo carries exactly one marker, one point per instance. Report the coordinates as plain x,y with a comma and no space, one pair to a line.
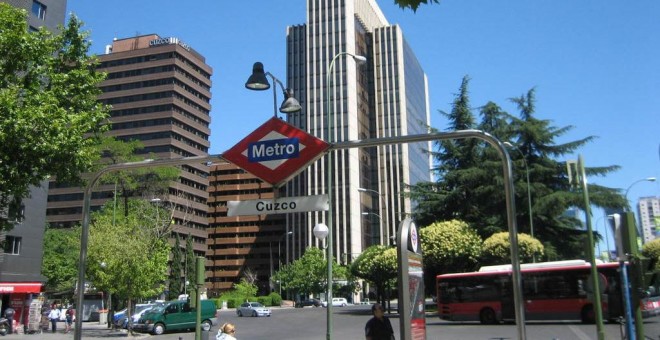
241,246
648,211
159,90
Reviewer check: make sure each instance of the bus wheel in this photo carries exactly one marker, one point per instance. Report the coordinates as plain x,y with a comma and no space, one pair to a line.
487,316
587,314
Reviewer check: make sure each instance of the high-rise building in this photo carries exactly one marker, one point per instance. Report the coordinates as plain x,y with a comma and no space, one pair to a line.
43,13
241,246
648,210
386,97
21,257
159,90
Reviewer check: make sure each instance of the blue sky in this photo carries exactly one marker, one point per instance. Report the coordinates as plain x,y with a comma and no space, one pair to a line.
595,64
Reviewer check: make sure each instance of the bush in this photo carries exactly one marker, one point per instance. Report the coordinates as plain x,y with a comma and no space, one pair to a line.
497,248
275,298
265,300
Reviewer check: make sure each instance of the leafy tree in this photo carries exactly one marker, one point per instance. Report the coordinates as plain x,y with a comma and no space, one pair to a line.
470,179
306,275
51,119
245,289
175,270
378,265
448,247
60,260
413,4
132,249
497,249
651,250
190,267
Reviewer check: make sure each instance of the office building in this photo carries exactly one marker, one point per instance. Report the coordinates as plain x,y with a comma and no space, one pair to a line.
21,258
648,211
159,89
241,246
386,97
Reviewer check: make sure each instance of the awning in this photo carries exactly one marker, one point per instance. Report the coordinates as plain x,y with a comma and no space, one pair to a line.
20,287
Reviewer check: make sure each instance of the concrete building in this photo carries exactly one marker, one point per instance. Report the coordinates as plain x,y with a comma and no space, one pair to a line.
386,97
21,258
648,211
241,246
159,89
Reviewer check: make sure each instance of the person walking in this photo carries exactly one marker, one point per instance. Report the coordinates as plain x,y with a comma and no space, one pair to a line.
378,327
226,332
54,317
70,317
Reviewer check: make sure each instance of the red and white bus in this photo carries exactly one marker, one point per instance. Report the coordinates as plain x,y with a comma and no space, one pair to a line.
551,290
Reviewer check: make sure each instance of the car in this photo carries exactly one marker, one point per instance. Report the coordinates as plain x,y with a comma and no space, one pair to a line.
252,309
138,312
308,302
118,318
336,302
177,315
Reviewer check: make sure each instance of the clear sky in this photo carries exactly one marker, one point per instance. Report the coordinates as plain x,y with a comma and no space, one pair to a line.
595,64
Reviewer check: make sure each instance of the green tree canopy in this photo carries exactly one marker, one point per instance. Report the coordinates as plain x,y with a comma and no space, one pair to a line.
306,275
378,265
60,260
128,257
449,247
497,249
51,119
470,176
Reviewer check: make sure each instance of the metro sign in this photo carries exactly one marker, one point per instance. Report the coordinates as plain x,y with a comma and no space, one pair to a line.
276,151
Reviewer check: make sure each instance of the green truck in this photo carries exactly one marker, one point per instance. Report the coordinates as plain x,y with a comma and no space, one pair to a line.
176,315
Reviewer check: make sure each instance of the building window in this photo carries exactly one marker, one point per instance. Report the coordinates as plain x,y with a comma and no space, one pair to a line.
13,245
39,10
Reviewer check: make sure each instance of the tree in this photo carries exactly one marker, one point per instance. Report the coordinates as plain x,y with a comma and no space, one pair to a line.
470,178
133,252
190,268
651,250
413,4
378,265
497,249
60,260
245,289
448,247
51,119
174,286
306,275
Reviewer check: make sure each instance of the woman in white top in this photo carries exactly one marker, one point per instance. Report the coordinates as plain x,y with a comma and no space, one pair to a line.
226,332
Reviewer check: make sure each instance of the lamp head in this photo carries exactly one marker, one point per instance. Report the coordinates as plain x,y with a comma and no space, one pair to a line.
257,80
364,213
321,231
359,59
290,103
651,179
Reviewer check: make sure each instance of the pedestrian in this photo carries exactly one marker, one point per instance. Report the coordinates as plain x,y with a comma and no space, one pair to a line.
54,317
9,314
70,317
378,327
226,332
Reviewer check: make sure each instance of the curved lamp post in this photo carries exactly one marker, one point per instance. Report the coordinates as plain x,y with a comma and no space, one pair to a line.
381,206
529,192
329,173
259,82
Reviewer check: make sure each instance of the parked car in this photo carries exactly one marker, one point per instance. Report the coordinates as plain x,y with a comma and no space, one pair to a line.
139,310
119,317
252,309
176,315
308,302
336,302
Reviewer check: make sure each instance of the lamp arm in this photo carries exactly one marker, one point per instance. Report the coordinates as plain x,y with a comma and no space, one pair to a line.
275,80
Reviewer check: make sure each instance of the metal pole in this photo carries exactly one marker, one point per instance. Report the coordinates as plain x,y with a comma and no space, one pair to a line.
598,308
463,134
623,272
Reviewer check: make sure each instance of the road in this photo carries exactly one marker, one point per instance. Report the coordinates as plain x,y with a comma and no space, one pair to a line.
310,324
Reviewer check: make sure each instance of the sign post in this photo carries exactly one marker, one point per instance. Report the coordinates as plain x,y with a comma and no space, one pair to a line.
412,313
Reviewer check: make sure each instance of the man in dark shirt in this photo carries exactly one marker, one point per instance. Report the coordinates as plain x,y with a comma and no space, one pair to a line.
378,327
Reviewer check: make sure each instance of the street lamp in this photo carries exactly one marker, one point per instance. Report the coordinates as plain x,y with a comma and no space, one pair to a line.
360,60
529,192
259,82
367,213
383,226
278,248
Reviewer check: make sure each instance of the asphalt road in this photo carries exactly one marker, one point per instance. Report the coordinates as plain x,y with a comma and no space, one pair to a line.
310,323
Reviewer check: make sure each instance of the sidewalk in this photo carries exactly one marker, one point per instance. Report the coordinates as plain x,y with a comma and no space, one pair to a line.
89,330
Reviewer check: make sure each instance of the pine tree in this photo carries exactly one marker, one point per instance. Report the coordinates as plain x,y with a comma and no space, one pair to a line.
175,270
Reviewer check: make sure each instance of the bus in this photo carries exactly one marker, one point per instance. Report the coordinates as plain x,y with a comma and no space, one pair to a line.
559,290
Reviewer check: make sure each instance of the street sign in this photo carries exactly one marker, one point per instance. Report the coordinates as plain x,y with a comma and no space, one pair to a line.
276,151
282,205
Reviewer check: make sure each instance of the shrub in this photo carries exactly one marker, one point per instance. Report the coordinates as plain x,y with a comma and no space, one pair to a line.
497,248
275,298
265,300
